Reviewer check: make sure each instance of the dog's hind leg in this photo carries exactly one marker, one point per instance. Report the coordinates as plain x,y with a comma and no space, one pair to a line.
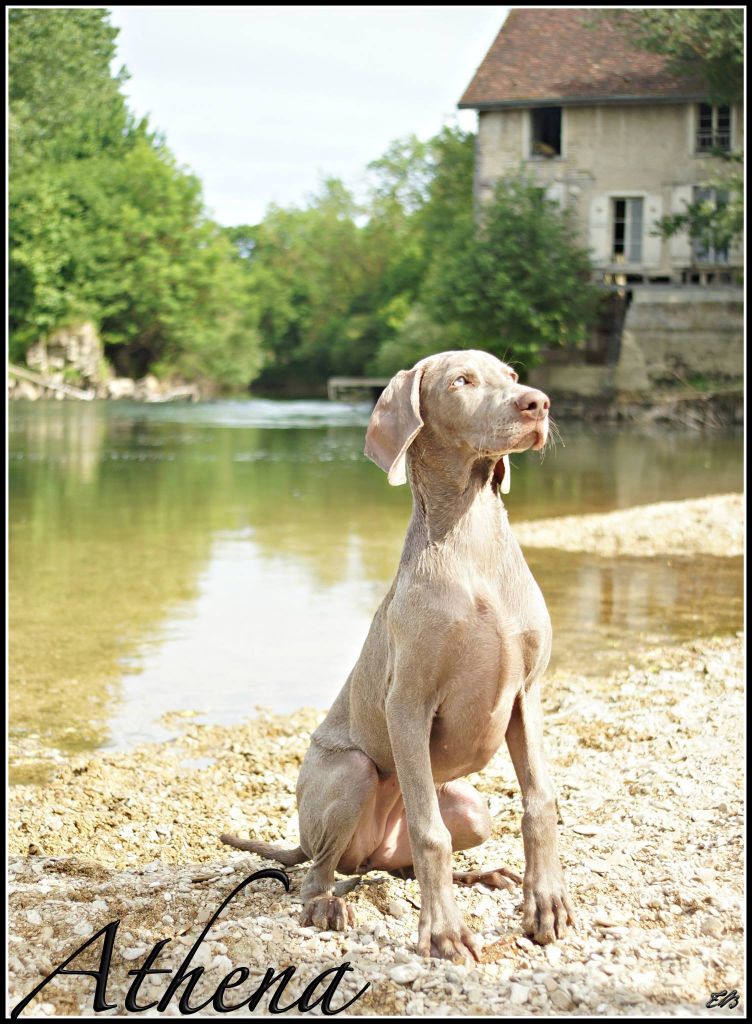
334,787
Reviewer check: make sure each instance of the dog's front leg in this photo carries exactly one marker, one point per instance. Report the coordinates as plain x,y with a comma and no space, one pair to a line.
546,907
441,931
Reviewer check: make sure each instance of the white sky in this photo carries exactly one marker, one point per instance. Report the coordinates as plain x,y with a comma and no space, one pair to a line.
262,102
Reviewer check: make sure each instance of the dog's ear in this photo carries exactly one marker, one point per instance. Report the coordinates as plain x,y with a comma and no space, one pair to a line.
394,424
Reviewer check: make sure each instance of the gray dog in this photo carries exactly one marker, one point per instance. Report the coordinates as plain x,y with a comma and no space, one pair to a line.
451,666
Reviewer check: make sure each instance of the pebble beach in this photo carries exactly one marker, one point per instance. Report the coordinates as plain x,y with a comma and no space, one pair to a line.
648,762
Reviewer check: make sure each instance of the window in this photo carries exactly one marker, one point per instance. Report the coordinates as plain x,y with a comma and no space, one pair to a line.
713,128
705,250
627,237
546,132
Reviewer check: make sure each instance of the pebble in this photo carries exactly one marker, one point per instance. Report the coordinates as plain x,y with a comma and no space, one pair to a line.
398,908
403,974
518,994
561,1000
711,926
553,955
133,952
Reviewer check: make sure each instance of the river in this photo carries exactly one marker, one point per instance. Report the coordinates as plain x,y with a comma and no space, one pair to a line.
216,557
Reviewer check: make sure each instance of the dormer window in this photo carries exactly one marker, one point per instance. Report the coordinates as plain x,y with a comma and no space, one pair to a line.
713,128
545,135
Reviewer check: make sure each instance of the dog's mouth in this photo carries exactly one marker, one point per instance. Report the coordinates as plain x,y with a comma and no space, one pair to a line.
500,476
501,471
541,435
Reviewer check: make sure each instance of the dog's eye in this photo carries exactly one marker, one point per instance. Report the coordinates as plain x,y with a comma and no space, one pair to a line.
459,382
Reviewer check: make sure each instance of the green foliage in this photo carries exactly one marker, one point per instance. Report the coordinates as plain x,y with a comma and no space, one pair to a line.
707,42
64,103
715,224
104,225
514,279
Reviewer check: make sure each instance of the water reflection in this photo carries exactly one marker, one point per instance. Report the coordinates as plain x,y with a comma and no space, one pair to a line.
219,556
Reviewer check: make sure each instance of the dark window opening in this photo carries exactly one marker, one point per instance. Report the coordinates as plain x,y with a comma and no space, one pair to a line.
546,133
713,128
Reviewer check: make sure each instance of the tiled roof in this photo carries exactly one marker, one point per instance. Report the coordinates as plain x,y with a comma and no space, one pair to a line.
570,55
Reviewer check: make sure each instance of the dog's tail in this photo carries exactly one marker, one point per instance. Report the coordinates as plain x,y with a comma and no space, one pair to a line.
268,850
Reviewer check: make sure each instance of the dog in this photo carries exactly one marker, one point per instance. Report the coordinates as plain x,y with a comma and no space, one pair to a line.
451,666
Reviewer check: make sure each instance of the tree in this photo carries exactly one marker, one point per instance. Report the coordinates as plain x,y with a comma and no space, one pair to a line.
430,186
705,43
697,42
64,102
104,225
514,279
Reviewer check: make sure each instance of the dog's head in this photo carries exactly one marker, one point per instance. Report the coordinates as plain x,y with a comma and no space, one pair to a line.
469,400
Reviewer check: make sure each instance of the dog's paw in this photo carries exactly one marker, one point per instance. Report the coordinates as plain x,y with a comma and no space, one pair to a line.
546,911
458,945
442,934
330,913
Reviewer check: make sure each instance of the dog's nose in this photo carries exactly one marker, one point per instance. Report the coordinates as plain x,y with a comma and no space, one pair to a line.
533,404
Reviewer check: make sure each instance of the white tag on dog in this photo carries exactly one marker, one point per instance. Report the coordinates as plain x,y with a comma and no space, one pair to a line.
507,475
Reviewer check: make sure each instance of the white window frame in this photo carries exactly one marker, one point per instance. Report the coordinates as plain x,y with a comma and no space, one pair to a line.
614,258
714,108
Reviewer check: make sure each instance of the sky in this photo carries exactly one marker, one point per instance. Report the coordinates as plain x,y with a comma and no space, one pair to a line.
263,102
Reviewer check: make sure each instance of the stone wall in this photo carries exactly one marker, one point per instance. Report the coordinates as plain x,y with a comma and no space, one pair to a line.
671,337
680,333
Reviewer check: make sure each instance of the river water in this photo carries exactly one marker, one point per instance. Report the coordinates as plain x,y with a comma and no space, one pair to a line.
227,555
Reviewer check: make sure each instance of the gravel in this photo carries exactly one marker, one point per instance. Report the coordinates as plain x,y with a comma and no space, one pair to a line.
709,526
649,766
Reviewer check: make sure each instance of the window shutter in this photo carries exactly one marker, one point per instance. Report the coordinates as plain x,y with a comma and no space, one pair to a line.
679,246
651,250
556,193
598,230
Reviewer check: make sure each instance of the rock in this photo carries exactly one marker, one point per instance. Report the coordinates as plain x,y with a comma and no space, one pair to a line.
148,388
221,963
25,390
404,974
561,1000
398,908
553,955
133,952
121,387
518,994
711,926
77,348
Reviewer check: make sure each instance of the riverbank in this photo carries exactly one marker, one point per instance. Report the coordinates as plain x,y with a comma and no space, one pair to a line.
648,764
701,526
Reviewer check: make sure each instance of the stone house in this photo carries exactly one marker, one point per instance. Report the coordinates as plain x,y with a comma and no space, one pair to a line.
609,133
605,129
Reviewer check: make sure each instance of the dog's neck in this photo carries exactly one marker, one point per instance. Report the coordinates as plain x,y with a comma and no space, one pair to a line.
453,490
